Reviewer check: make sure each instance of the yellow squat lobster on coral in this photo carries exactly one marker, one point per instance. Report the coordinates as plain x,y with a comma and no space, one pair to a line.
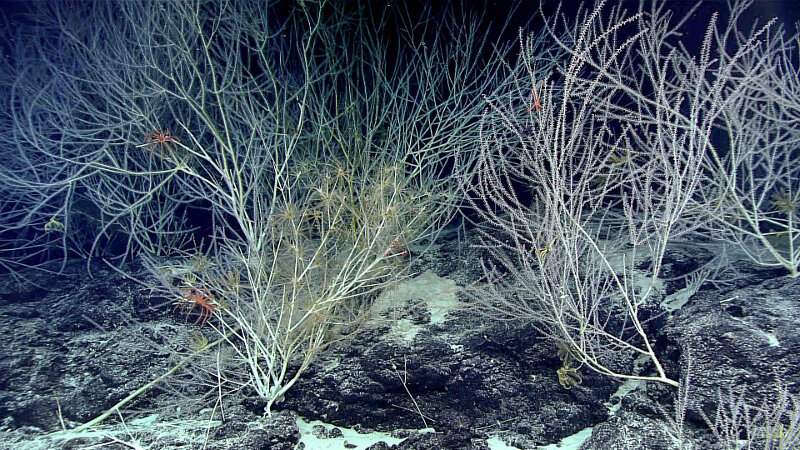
568,376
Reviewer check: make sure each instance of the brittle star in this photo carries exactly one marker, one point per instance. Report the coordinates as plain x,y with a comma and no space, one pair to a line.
537,105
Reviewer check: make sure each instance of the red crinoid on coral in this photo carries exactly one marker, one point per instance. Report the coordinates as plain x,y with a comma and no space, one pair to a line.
161,139
196,298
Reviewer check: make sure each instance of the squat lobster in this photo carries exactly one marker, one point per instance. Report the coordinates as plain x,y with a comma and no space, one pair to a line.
161,139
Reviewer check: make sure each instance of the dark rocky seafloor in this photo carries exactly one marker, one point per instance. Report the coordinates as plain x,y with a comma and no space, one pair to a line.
423,373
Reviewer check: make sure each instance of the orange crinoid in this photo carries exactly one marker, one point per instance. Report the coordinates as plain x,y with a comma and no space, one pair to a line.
200,299
161,139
